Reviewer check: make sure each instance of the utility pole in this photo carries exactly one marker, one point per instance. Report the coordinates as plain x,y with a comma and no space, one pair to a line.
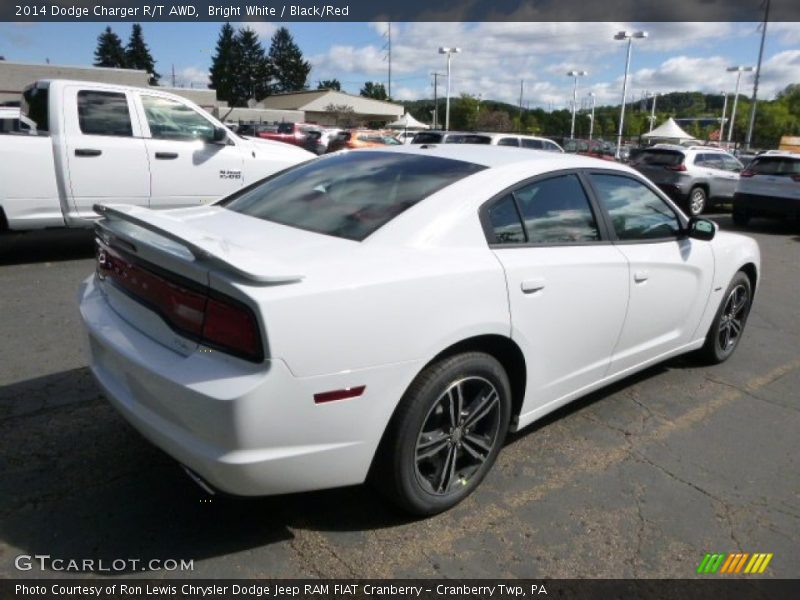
653,111
389,49
435,99
752,121
521,84
173,74
724,112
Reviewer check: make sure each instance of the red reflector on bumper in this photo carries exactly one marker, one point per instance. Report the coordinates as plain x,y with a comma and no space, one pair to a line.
344,394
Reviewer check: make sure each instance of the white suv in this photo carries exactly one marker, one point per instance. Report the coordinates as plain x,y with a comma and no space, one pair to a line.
693,176
769,187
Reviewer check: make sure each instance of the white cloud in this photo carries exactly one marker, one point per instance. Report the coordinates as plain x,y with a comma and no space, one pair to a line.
192,76
264,29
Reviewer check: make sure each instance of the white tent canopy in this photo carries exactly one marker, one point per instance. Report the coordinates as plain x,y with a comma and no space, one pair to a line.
669,130
407,122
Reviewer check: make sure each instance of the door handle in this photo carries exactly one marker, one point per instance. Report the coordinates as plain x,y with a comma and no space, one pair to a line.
87,152
641,276
166,155
531,286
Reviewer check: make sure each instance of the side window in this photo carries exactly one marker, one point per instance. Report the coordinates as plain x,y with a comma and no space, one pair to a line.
700,160
532,144
505,222
104,113
637,213
551,147
508,141
557,211
171,120
731,164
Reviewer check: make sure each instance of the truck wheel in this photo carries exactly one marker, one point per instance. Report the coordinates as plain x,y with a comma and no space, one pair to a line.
446,434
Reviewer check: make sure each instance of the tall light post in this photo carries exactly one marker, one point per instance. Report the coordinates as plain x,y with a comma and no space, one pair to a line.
574,75
738,70
652,118
752,121
449,52
724,110
630,36
593,96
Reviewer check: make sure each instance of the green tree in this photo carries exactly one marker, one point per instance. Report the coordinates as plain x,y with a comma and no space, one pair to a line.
137,54
464,112
329,84
289,68
224,65
375,90
109,51
253,69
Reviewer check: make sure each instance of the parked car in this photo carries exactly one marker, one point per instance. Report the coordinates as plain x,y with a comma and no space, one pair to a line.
110,143
255,129
694,176
290,133
389,314
361,138
405,137
768,187
531,142
594,148
451,137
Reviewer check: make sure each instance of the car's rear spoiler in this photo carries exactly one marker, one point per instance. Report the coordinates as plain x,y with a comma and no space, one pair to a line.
205,248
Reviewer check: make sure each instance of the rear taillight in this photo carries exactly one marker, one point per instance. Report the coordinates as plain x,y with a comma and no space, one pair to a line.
747,173
231,327
216,321
680,167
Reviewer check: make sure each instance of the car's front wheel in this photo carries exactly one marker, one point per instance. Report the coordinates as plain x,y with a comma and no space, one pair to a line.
446,433
728,326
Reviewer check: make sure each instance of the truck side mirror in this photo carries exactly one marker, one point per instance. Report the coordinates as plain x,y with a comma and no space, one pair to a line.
219,135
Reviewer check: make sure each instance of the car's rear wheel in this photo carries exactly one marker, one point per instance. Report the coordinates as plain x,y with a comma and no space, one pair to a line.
728,326
446,433
697,201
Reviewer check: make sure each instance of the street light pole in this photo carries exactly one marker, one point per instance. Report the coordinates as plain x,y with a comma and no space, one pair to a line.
653,111
449,52
724,111
593,96
738,70
574,75
752,121
625,35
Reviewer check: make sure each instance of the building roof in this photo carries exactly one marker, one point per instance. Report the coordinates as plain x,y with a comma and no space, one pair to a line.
319,100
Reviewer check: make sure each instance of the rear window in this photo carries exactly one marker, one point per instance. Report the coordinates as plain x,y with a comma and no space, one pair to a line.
349,195
659,158
467,138
427,138
35,106
775,165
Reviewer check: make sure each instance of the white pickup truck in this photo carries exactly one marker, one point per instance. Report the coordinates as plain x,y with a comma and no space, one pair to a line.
97,143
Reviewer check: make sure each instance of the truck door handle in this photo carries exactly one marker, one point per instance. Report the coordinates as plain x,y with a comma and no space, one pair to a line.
531,286
641,276
166,155
87,152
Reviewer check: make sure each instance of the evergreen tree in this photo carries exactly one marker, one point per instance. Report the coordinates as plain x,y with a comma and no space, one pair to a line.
329,84
137,55
224,65
109,51
290,70
252,68
373,89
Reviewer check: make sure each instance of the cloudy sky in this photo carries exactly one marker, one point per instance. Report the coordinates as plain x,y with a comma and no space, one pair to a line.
494,58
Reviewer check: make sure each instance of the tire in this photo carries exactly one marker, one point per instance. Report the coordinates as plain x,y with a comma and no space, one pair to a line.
740,217
726,331
414,467
697,201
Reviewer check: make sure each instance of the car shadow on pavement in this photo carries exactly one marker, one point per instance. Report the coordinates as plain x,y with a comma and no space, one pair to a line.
79,482
757,225
17,248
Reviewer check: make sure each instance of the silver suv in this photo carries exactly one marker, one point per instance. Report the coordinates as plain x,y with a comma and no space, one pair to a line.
693,176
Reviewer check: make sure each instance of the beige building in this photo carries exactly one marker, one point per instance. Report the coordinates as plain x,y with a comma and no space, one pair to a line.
318,106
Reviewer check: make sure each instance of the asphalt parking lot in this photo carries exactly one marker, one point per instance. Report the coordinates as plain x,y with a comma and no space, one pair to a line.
639,480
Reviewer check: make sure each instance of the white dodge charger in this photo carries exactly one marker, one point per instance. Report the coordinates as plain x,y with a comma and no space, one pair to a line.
391,314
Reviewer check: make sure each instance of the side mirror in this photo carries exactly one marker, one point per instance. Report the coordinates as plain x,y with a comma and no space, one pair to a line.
701,229
220,135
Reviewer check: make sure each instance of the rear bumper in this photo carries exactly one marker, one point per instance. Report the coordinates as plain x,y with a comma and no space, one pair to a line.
245,429
766,206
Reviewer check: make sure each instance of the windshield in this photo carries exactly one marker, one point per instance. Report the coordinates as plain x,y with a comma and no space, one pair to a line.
349,195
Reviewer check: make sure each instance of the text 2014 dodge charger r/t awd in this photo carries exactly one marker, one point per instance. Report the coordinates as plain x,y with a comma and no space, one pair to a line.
390,314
